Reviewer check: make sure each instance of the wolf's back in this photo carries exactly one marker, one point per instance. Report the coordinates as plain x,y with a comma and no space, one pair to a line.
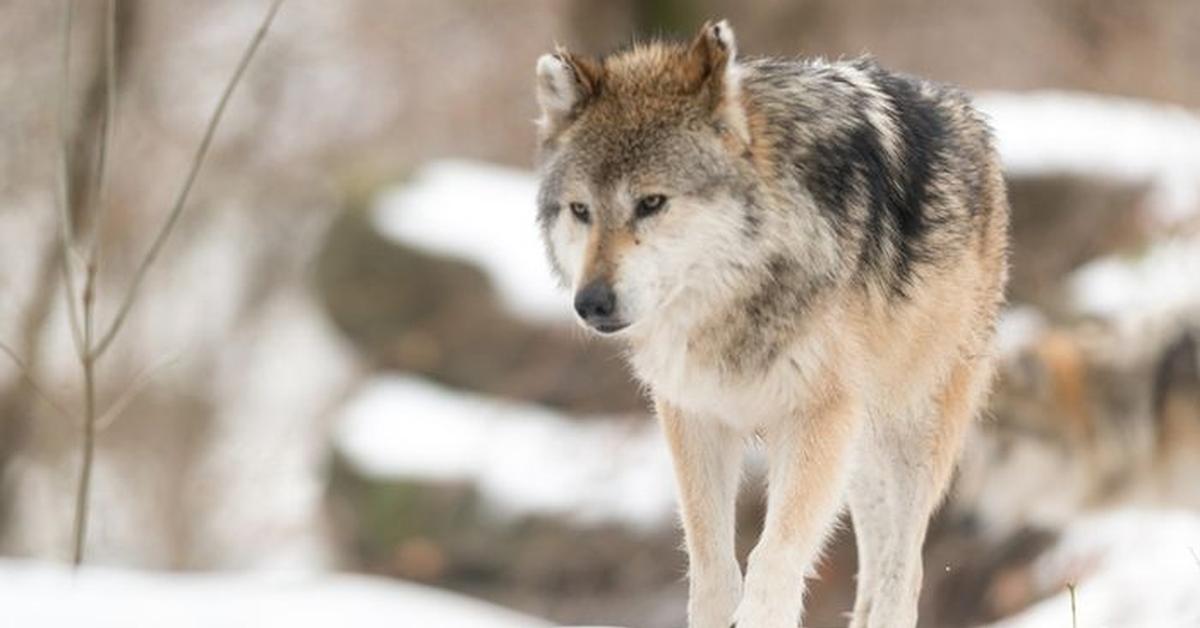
904,170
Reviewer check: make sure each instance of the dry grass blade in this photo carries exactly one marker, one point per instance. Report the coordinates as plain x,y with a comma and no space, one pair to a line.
185,190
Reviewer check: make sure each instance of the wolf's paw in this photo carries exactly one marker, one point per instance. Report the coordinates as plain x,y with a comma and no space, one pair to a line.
750,617
712,600
773,595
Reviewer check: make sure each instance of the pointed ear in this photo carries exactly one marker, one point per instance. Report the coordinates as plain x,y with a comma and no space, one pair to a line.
565,83
713,68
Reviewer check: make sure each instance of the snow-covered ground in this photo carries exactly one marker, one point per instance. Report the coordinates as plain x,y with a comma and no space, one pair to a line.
1133,569
48,596
523,458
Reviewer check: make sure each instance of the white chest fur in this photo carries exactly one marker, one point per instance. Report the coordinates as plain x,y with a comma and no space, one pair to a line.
692,380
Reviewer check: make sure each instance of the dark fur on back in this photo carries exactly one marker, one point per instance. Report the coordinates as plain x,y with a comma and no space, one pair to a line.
887,158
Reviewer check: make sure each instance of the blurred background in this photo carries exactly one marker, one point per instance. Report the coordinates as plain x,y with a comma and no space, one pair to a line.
350,391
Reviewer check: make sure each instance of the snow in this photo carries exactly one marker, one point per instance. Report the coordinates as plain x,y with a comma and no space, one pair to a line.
482,213
1044,132
1135,569
1018,327
45,595
1164,278
524,459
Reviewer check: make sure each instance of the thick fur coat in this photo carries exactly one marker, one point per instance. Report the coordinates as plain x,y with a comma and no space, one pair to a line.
806,252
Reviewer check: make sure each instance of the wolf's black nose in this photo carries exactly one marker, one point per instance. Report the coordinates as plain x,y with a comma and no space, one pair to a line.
596,301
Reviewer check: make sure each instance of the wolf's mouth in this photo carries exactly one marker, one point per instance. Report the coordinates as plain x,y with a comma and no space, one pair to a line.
608,327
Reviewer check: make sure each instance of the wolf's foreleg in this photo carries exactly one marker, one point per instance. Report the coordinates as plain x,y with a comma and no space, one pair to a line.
707,456
808,456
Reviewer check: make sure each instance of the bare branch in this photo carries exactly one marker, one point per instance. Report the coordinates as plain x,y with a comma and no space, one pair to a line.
91,350
185,190
64,182
106,131
89,453
143,379
69,297
88,364
27,375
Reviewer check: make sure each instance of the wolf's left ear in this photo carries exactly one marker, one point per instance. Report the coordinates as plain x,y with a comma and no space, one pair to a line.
565,83
712,65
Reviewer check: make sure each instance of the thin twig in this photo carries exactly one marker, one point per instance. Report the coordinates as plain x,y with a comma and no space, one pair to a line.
64,183
91,349
88,359
27,375
88,363
181,197
143,379
69,294
107,131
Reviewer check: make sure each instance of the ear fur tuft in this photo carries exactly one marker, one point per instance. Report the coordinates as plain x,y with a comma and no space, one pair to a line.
565,82
712,60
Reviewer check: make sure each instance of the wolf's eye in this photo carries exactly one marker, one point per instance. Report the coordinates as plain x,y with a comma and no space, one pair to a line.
580,212
651,204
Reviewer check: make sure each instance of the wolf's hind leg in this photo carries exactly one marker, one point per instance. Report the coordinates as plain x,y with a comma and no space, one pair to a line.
867,497
707,456
919,463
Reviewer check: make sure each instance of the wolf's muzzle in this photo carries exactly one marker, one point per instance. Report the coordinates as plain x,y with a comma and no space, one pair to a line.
596,304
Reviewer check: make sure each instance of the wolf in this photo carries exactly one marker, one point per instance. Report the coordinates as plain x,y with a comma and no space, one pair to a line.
806,253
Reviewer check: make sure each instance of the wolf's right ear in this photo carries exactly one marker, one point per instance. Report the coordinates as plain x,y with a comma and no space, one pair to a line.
565,83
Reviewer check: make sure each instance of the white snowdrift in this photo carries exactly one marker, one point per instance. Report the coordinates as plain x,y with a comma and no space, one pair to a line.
1164,278
47,596
1134,569
482,213
1047,132
524,459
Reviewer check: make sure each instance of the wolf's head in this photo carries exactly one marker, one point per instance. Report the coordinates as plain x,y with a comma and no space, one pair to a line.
644,169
